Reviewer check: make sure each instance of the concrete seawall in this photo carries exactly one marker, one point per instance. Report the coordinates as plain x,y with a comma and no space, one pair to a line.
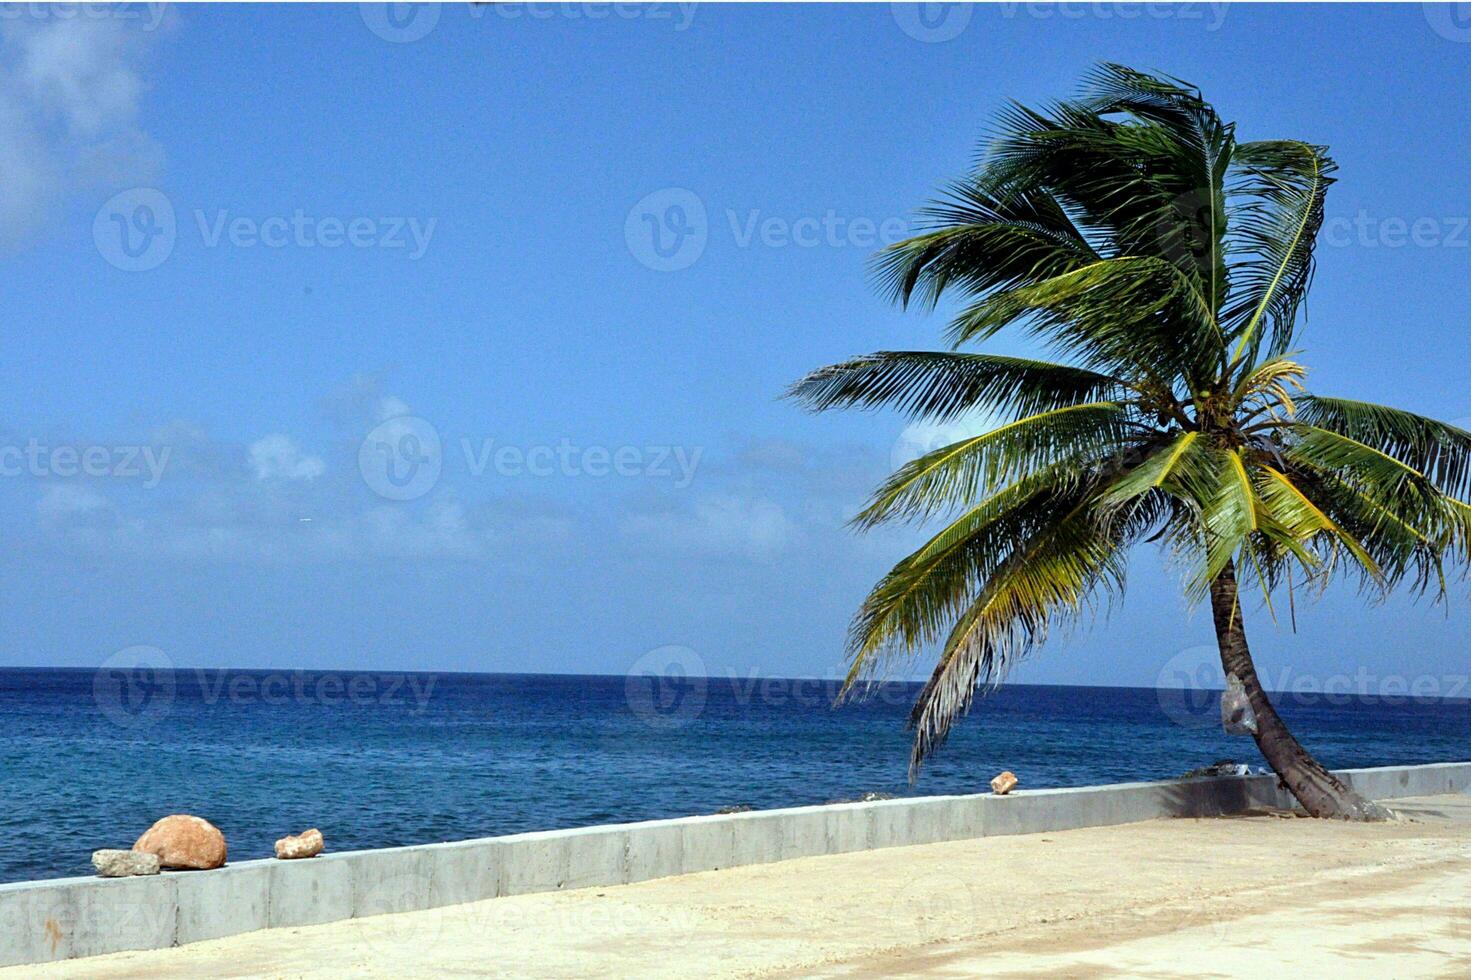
70,917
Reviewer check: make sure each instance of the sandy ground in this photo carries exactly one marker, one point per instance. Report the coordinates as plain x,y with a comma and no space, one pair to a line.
1247,896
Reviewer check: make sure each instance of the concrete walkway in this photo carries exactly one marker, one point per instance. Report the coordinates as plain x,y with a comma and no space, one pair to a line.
1253,896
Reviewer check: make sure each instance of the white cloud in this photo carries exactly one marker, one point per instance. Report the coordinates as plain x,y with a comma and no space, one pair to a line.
919,438
277,457
390,407
70,96
70,505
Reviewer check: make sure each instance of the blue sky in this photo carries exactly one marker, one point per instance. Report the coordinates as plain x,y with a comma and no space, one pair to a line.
341,234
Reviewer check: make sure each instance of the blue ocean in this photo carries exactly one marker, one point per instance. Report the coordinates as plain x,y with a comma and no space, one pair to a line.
91,758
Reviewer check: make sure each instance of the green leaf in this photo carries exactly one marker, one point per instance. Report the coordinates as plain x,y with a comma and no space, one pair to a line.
960,473
941,386
1440,451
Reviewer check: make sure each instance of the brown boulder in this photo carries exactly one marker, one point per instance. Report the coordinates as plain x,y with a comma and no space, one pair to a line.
1004,783
306,844
182,841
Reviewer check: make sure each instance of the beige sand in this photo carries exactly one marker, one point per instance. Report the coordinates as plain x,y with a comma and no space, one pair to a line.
1255,896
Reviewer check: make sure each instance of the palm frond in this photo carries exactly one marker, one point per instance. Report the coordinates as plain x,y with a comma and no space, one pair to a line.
1182,465
1291,508
1406,540
1280,186
1050,575
954,475
941,386
1230,514
1129,315
977,239
1203,146
1440,451
1324,450
913,604
1271,388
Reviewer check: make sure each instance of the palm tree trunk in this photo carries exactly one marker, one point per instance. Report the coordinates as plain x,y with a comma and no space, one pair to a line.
1320,792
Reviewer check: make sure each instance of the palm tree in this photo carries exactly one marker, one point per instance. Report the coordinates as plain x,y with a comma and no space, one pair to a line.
1129,231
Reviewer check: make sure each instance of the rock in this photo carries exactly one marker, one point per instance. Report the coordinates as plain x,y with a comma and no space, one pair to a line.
1225,767
1004,783
735,808
872,796
124,864
182,841
306,844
